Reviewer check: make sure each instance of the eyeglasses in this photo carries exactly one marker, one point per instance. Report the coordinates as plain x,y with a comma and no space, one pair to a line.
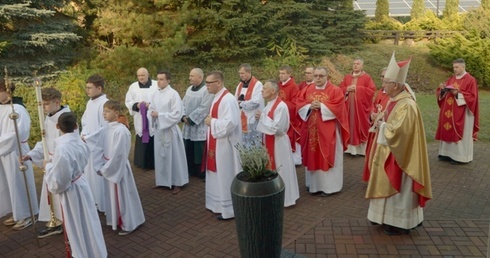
319,75
207,83
308,73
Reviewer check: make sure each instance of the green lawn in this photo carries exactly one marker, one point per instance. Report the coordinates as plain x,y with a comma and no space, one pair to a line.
430,112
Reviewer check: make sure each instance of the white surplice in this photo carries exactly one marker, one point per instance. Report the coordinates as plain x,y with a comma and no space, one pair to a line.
228,133
65,178
170,159
282,147
92,122
196,107
135,95
13,193
249,109
122,198
37,156
330,181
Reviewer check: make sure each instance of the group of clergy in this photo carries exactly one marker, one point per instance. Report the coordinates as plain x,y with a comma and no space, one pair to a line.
311,124
321,122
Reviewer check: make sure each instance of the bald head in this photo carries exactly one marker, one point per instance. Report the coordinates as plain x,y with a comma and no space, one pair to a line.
143,75
196,76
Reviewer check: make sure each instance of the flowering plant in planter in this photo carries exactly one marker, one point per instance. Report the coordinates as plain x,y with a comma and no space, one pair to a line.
254,161
258,203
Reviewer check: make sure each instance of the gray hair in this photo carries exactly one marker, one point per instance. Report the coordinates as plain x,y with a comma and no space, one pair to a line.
273,84
246,67
360,59
199,71
322,68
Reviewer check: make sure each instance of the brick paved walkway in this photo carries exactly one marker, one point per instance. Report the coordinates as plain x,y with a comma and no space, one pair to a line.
456,221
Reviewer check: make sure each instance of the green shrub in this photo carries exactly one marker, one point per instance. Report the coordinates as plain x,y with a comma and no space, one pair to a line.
478,22
428,21
472,48
386,23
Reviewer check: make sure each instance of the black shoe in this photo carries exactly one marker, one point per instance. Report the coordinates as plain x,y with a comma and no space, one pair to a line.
50,231
374,223
444,158
454,162
220,217
323,194
394,231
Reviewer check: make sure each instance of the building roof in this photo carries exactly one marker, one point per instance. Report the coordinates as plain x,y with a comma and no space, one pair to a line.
403,7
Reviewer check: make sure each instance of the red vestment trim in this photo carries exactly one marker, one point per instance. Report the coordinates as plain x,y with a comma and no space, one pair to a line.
271,139
394,172
379,104
119,217
452,116
211,155
247,96
288,93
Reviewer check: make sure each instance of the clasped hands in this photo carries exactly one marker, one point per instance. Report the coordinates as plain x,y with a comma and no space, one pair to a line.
351,88
315,104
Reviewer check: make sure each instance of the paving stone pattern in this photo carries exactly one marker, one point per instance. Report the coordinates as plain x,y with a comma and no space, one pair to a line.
456,221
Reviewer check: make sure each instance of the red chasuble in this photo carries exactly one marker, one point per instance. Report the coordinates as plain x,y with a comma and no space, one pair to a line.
452,116
211,155
288,93
319,137
248,96
359,105
270,140
379,105
303,85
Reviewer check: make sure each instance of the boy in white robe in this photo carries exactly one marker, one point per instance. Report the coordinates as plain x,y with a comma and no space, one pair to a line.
92,122
13,197
65,178
51,98
164,116
123,204
222,159
274,123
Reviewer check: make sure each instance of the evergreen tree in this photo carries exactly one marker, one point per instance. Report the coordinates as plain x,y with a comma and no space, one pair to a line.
418,9
133,23
382,9
451,8
341,30
37,38
229,29
202,32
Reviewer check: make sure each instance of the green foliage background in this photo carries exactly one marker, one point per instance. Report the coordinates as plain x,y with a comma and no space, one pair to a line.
72,41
